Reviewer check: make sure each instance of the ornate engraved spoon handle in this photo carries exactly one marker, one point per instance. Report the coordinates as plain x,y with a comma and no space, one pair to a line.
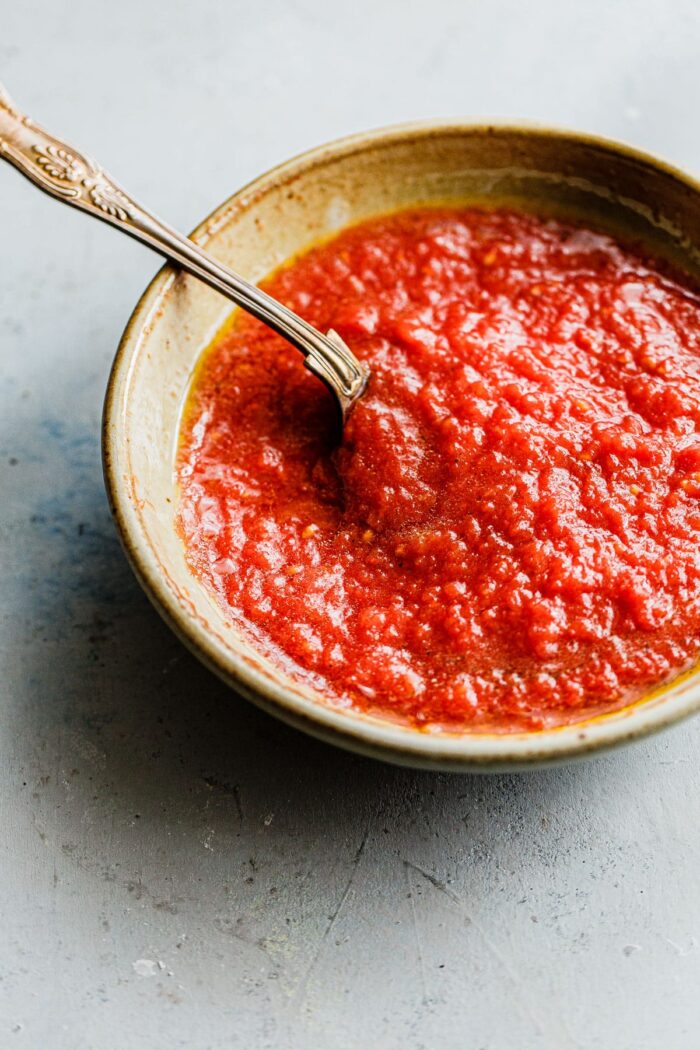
74,178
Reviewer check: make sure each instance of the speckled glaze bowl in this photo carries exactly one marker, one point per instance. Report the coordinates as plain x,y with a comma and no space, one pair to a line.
282,212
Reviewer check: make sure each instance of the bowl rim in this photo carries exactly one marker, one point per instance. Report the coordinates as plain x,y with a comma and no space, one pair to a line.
366,734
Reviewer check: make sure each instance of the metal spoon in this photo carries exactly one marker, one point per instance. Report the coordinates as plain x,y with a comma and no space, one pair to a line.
74,178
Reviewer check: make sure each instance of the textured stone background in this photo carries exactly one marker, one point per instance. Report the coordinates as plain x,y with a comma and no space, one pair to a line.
179,870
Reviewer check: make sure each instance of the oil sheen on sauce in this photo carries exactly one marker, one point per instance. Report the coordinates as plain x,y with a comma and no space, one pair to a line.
507,537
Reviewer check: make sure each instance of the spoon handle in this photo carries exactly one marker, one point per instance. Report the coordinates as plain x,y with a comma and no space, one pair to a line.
74,178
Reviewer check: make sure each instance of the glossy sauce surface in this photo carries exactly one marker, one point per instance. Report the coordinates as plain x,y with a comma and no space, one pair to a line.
507,537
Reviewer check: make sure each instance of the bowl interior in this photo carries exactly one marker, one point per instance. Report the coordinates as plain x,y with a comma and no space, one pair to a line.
256,230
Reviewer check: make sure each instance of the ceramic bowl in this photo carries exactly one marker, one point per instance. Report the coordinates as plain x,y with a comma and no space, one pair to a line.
562,173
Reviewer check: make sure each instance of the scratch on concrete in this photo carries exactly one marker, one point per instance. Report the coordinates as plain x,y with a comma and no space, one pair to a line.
419,946
300,994
228,789
561,1037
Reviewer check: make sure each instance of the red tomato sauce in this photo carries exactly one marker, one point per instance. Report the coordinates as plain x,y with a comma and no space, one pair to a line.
507,537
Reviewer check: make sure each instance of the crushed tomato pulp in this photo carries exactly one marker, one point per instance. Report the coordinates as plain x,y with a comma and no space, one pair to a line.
507,537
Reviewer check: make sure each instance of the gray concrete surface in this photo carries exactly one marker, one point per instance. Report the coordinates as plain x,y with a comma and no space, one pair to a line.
179,870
